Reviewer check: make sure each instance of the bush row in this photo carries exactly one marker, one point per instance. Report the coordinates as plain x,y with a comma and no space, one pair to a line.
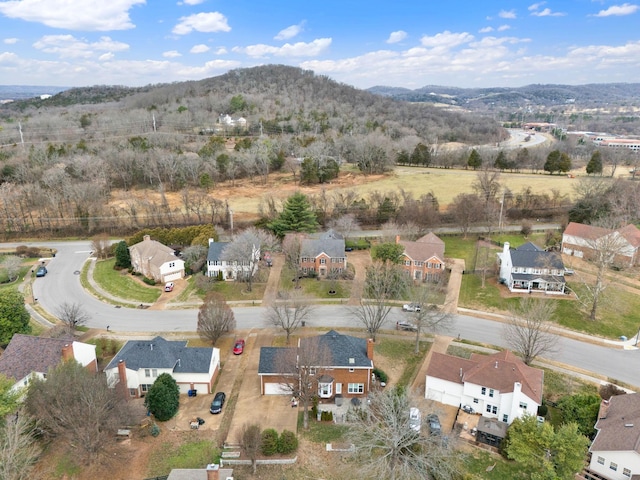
285,443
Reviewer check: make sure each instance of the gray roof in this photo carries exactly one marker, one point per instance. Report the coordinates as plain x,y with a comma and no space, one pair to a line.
161,353
215,251
155,252
334,248
268,357
26,354
530,255
330,234
618,424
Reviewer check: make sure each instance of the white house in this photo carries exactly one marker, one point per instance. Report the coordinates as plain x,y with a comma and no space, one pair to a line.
498,386
231,270
28,357
140,362
615,452
584,241
528,268
155,260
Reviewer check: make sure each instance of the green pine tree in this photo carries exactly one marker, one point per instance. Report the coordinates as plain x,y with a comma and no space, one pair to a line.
296,216
595,163
163,398
475,160
123,257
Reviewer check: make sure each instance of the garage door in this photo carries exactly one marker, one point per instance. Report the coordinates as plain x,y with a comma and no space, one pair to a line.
172,276
276,389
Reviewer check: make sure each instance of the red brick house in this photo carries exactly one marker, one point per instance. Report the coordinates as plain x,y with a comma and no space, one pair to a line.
583,241
423,260
322,254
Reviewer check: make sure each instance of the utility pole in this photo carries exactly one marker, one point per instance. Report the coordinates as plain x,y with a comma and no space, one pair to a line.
501,209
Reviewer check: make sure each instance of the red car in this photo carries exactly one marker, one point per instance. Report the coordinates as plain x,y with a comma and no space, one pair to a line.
238,348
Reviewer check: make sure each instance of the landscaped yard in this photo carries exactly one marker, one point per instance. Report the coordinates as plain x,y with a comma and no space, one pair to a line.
121,284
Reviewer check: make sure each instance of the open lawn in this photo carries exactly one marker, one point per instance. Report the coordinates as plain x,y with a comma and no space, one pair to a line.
122,285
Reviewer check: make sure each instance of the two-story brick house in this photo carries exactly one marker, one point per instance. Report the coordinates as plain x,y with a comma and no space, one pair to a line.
345,370
528,268
423,260
323,254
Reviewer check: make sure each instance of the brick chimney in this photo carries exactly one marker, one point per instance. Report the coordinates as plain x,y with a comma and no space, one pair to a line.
370,345
397,238
213,471
67,352
146,238
122,376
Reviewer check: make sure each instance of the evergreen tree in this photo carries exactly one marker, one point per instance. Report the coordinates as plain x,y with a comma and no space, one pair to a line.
552,164
475,160
595,163
564,164
163,398
296,216
123,257
388,251
421,155
501,162
14,317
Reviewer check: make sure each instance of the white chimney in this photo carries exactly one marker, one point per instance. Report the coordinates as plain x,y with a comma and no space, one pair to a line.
506,247
496,364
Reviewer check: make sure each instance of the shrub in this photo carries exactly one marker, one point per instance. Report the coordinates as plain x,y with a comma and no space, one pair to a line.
380,375
148,281
155,430
163,398
288,442
542,410
269,442
326,416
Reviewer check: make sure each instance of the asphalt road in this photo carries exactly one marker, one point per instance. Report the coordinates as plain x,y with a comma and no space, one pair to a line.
62,284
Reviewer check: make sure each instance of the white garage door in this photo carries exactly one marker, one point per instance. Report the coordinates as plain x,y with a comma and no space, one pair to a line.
172,276
276,389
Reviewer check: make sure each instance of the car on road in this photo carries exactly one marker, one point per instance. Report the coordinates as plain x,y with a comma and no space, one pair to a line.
218,402
238,347
434,424
168,287
468,409
411,307
42,271
415,419
408,326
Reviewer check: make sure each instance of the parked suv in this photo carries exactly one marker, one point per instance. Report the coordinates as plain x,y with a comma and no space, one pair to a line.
434,424
41,272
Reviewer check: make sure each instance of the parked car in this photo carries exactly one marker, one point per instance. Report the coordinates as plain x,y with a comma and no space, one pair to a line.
415,419
42,271
434,424
569,271
218,402
408,326
468,409
238,348
411,307
168,286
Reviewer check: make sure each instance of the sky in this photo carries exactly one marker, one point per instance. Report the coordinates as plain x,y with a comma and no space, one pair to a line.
401,43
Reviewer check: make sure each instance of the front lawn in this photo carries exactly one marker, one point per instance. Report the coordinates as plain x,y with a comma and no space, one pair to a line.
122,285
237,291
193,454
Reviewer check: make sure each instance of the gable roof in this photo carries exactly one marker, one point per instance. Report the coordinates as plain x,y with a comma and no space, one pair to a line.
424,248
618,424
530,255
333,247
26,354
631,234
161,353
154,252
499,371
330,234
588,232
268,359
215,251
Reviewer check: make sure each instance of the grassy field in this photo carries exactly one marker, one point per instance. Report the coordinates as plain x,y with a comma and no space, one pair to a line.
192,454
122,285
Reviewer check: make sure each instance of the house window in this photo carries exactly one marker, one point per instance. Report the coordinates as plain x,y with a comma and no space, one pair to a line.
505,418
407,263
325,390
356,388
626,472
601,460
483,391
154,372
172,264
133,392
475,400
147,372
323,261
491,392
312,370
145,387
523,405
417,263
613,466
492,409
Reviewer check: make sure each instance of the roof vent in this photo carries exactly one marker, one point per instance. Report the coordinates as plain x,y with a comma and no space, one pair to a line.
352,360
151,345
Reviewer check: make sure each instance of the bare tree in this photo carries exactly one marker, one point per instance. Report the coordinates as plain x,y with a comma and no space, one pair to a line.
387,447
12,265
195,257
251,441
19,449
464,209
431,316
292,249
243,253
289,311
215,318
345,225
384,282
391,229
77,406
528,329
485,261
300,368
72,315
100,245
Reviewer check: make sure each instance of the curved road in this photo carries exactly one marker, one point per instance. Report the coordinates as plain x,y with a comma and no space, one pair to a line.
62,284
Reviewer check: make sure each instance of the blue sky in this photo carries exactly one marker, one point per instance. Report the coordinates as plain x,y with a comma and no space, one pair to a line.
405,43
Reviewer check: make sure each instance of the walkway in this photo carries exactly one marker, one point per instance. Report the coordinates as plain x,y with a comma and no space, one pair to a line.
440,345
273,282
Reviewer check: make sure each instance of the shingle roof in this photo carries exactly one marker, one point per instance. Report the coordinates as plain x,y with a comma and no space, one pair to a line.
618,424
631,234
161,353
588,232
155,252
530,255
215,251
268,359
424,248
26,354
498,371
334,248
328,235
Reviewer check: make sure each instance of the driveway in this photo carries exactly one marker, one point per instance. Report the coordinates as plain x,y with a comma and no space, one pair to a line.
360,259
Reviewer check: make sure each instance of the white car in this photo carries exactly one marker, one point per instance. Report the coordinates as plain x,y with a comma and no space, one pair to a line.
408,326
415,419
168,287
411,307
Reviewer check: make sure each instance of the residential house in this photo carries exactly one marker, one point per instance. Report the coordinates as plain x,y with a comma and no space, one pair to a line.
615,451
230,269
499,386
423,260
28,357
213,471
140,362
347,372
583,241
322,254
155,260
528,268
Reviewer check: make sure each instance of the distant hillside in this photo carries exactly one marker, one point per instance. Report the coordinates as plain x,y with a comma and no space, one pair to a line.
21,92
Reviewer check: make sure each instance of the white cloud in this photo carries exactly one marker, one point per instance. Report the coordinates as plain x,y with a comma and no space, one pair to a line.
535,6
511,14
192,2
396,37
171,54
88,15
221,51
10,41
486,30
618,10
105,57
547,13
289,32
446,39
200,48
68,46
300,49
202,22
502,28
